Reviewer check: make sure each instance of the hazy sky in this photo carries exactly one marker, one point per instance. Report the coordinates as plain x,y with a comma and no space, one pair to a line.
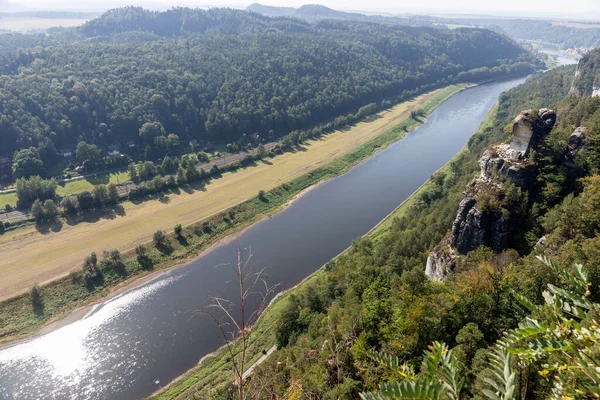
532,8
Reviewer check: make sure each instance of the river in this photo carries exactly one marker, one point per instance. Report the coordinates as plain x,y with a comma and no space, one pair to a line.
132,345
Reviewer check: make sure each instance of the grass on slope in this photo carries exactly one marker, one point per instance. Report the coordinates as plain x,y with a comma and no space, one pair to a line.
17,318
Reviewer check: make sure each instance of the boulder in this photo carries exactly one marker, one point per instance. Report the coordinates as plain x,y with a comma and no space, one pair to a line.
441,261
577,142
529,129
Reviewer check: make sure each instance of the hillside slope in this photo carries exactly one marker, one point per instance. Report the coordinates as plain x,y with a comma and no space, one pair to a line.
213,76
376,296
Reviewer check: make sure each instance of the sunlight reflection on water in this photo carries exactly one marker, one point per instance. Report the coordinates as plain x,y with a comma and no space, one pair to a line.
69,354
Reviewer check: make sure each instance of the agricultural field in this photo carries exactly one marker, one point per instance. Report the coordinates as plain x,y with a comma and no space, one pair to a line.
38,24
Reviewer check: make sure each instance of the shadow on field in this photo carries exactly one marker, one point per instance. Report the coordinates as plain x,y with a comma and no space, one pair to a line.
92,216
47,227
100,179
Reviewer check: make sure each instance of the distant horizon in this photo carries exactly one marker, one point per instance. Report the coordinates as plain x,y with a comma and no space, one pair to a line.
591,14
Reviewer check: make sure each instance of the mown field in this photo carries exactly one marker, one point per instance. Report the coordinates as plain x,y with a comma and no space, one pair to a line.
33,255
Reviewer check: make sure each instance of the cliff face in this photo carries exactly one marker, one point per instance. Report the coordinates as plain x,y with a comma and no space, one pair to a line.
492,205
587,76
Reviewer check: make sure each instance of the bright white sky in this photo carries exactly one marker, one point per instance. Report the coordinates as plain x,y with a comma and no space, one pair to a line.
588,9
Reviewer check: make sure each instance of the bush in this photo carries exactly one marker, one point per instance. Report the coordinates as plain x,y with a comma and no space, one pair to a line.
91,272
261,195
37,299
69,205
8,208
178,229
142,256
198,229
140,250
159,238
112,259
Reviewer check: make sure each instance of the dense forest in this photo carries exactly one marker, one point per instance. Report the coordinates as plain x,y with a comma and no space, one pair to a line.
374,317
213,76
317,12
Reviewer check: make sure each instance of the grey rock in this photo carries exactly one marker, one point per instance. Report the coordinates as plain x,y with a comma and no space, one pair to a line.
478,225
441,261
577,142
541,243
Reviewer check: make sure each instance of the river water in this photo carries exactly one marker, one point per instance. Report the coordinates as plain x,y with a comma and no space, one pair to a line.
132,345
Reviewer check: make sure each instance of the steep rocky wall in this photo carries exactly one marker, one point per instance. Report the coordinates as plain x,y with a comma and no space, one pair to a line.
490,210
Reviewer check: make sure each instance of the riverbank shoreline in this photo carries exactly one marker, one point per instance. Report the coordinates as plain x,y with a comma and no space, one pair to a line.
146,277
374,232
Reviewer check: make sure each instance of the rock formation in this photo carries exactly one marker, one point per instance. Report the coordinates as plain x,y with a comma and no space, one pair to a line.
587,76
577,142
491,206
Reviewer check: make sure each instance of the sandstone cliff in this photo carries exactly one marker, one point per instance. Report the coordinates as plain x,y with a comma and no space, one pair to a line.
494,203
587,75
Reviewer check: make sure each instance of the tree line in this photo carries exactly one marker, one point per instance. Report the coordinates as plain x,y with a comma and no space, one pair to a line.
148,83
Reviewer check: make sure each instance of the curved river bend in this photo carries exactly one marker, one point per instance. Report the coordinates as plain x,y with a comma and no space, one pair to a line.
132,345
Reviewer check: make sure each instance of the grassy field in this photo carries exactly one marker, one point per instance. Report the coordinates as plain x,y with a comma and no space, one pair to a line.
38,24
8,198
580,25
75,186
62,296
32,256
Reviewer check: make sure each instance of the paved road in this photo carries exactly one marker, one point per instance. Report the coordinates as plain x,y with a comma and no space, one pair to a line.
257,363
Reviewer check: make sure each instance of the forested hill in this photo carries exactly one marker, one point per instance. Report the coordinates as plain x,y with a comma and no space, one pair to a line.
213,76
515,326
316,12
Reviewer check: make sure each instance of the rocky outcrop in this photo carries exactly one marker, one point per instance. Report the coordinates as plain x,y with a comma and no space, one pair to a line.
492,205
577,142
529,129
587,76
441,261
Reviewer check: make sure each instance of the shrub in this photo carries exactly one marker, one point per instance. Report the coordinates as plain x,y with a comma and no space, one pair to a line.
142,256
159,238
261,195
91,272
69,205
140,250
76,277
178,229
198,229
37,299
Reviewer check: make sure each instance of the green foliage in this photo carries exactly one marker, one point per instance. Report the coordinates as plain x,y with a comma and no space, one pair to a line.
178,229
162,78
28,190
159,238
89,153
439,378
27,163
